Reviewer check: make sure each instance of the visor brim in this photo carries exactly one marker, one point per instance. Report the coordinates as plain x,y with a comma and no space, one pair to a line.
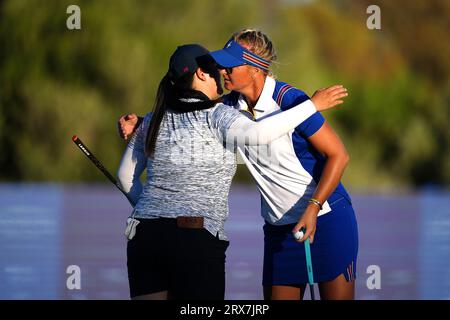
224,59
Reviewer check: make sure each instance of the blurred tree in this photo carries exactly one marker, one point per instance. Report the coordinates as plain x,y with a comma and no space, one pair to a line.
393,121
56,82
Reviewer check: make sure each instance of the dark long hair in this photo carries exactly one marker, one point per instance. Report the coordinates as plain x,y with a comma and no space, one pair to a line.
167,90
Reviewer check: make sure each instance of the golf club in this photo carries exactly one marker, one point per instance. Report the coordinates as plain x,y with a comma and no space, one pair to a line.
309,268
97,163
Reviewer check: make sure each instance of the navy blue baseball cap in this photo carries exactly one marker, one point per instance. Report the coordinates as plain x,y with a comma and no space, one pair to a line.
185,60
233,55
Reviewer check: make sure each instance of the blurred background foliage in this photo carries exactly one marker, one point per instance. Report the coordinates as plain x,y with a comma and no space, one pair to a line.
56,82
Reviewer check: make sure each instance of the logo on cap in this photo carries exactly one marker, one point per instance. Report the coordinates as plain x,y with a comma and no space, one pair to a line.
185,69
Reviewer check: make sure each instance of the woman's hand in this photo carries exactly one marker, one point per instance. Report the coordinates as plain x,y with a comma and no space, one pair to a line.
328,98
127,125
309,222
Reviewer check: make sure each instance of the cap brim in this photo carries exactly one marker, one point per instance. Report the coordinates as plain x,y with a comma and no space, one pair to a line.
225,59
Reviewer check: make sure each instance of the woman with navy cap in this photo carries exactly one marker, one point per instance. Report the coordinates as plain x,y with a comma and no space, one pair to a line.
298,177
177,243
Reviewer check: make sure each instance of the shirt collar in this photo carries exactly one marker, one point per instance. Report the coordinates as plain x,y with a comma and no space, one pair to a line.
264,101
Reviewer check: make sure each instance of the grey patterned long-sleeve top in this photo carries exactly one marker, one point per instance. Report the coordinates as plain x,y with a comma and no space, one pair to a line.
194,161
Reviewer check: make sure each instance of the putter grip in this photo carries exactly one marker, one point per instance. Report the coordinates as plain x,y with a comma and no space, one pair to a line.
309,261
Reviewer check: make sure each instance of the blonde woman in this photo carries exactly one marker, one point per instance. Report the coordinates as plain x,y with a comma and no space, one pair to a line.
298,178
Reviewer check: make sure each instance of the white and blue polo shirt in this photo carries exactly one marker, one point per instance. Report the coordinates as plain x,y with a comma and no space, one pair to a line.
288,170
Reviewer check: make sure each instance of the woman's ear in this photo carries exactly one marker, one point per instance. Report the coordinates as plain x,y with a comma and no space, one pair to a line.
200,74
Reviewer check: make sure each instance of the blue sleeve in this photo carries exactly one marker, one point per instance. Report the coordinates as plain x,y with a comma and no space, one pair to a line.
292,98
311,125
